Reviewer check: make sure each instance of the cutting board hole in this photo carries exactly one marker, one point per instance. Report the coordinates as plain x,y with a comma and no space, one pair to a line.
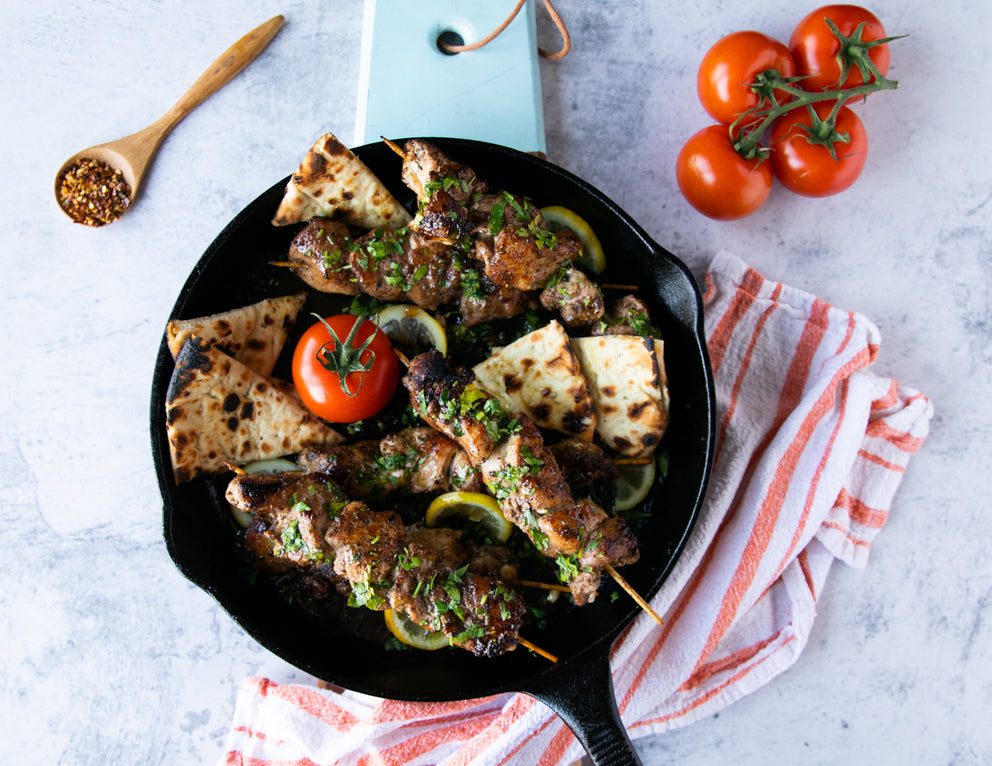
449,37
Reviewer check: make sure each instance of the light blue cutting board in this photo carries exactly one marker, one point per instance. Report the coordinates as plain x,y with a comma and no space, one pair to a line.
408,87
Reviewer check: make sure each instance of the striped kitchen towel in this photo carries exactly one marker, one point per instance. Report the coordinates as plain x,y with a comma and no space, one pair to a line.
811,447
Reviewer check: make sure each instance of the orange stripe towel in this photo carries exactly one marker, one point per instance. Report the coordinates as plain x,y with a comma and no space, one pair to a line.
811,447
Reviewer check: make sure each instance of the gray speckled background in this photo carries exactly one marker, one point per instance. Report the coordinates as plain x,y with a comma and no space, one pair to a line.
112,657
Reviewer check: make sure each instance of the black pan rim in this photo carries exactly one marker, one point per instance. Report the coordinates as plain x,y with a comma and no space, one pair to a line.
599,647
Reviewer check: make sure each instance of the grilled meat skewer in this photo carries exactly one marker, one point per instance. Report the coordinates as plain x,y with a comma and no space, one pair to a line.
432,575
522,474
416,460
508,234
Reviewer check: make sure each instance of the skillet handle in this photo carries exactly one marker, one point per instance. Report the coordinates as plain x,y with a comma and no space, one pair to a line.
582,696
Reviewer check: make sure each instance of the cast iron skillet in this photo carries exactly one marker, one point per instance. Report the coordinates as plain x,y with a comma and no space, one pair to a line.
203,542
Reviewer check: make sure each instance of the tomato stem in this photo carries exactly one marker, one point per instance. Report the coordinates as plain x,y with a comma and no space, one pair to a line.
780,95
342,358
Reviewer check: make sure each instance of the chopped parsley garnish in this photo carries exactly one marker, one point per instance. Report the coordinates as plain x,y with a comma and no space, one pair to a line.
292,540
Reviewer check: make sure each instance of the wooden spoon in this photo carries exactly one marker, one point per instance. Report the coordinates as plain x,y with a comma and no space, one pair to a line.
133,154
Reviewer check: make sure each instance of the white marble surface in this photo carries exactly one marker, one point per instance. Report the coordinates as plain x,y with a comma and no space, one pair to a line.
110,656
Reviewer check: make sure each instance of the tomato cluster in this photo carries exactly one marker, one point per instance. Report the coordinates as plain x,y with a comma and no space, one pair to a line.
781,112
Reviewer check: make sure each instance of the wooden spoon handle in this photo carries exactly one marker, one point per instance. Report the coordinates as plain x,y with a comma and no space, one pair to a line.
230,62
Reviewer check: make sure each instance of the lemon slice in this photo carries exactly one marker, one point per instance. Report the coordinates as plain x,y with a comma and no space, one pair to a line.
268,466
411,327
633,485
592,258
412,634
470,506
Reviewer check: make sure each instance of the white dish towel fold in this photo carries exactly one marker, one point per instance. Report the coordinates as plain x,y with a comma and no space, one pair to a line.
811,446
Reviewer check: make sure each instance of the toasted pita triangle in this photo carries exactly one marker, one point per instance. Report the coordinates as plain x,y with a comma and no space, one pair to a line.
254,335
626,375
218,411
539,376
331,182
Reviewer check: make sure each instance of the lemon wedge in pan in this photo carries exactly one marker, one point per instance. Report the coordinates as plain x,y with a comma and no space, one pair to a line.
412,634
470,506
411,327
268,466
634,484
592,258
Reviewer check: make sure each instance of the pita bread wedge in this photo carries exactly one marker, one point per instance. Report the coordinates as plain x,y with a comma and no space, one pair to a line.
217,411
540,376
626,375
254,335
331,182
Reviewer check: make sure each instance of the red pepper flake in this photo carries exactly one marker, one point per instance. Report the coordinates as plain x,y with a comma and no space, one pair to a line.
93,193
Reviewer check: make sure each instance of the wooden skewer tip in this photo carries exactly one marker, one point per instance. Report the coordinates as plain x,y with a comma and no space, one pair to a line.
633,594
395,147
611,286
536,649
542,585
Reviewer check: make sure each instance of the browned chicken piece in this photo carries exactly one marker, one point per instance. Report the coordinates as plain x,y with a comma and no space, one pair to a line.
426,168
292,514
366,545
526,255
388,264
582,463
522,475
415,460
440,216
575,298
482,300
437,389
319,259
627,316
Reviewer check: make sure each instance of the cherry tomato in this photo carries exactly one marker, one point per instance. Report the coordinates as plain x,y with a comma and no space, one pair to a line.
716,180
808,168
816,49
731,65
349,347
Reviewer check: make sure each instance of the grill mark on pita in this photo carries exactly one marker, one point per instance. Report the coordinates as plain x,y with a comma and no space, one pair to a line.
247,411
512,383
573,423
636,410
255,344
232,423
609,391
541,410
231,402
622,443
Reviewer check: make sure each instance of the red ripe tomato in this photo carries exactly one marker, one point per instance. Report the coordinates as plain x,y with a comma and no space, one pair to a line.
807,167
716,180
345,369
817,50
731,65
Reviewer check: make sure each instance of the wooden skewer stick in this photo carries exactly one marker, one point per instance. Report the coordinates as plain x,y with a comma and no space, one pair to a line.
631,460
284,264
395,147
237,469
633,593
543,585
536,649
611,286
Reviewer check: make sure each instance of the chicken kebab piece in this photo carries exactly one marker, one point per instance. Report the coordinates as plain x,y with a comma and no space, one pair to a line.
522,474
305,522
423,460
